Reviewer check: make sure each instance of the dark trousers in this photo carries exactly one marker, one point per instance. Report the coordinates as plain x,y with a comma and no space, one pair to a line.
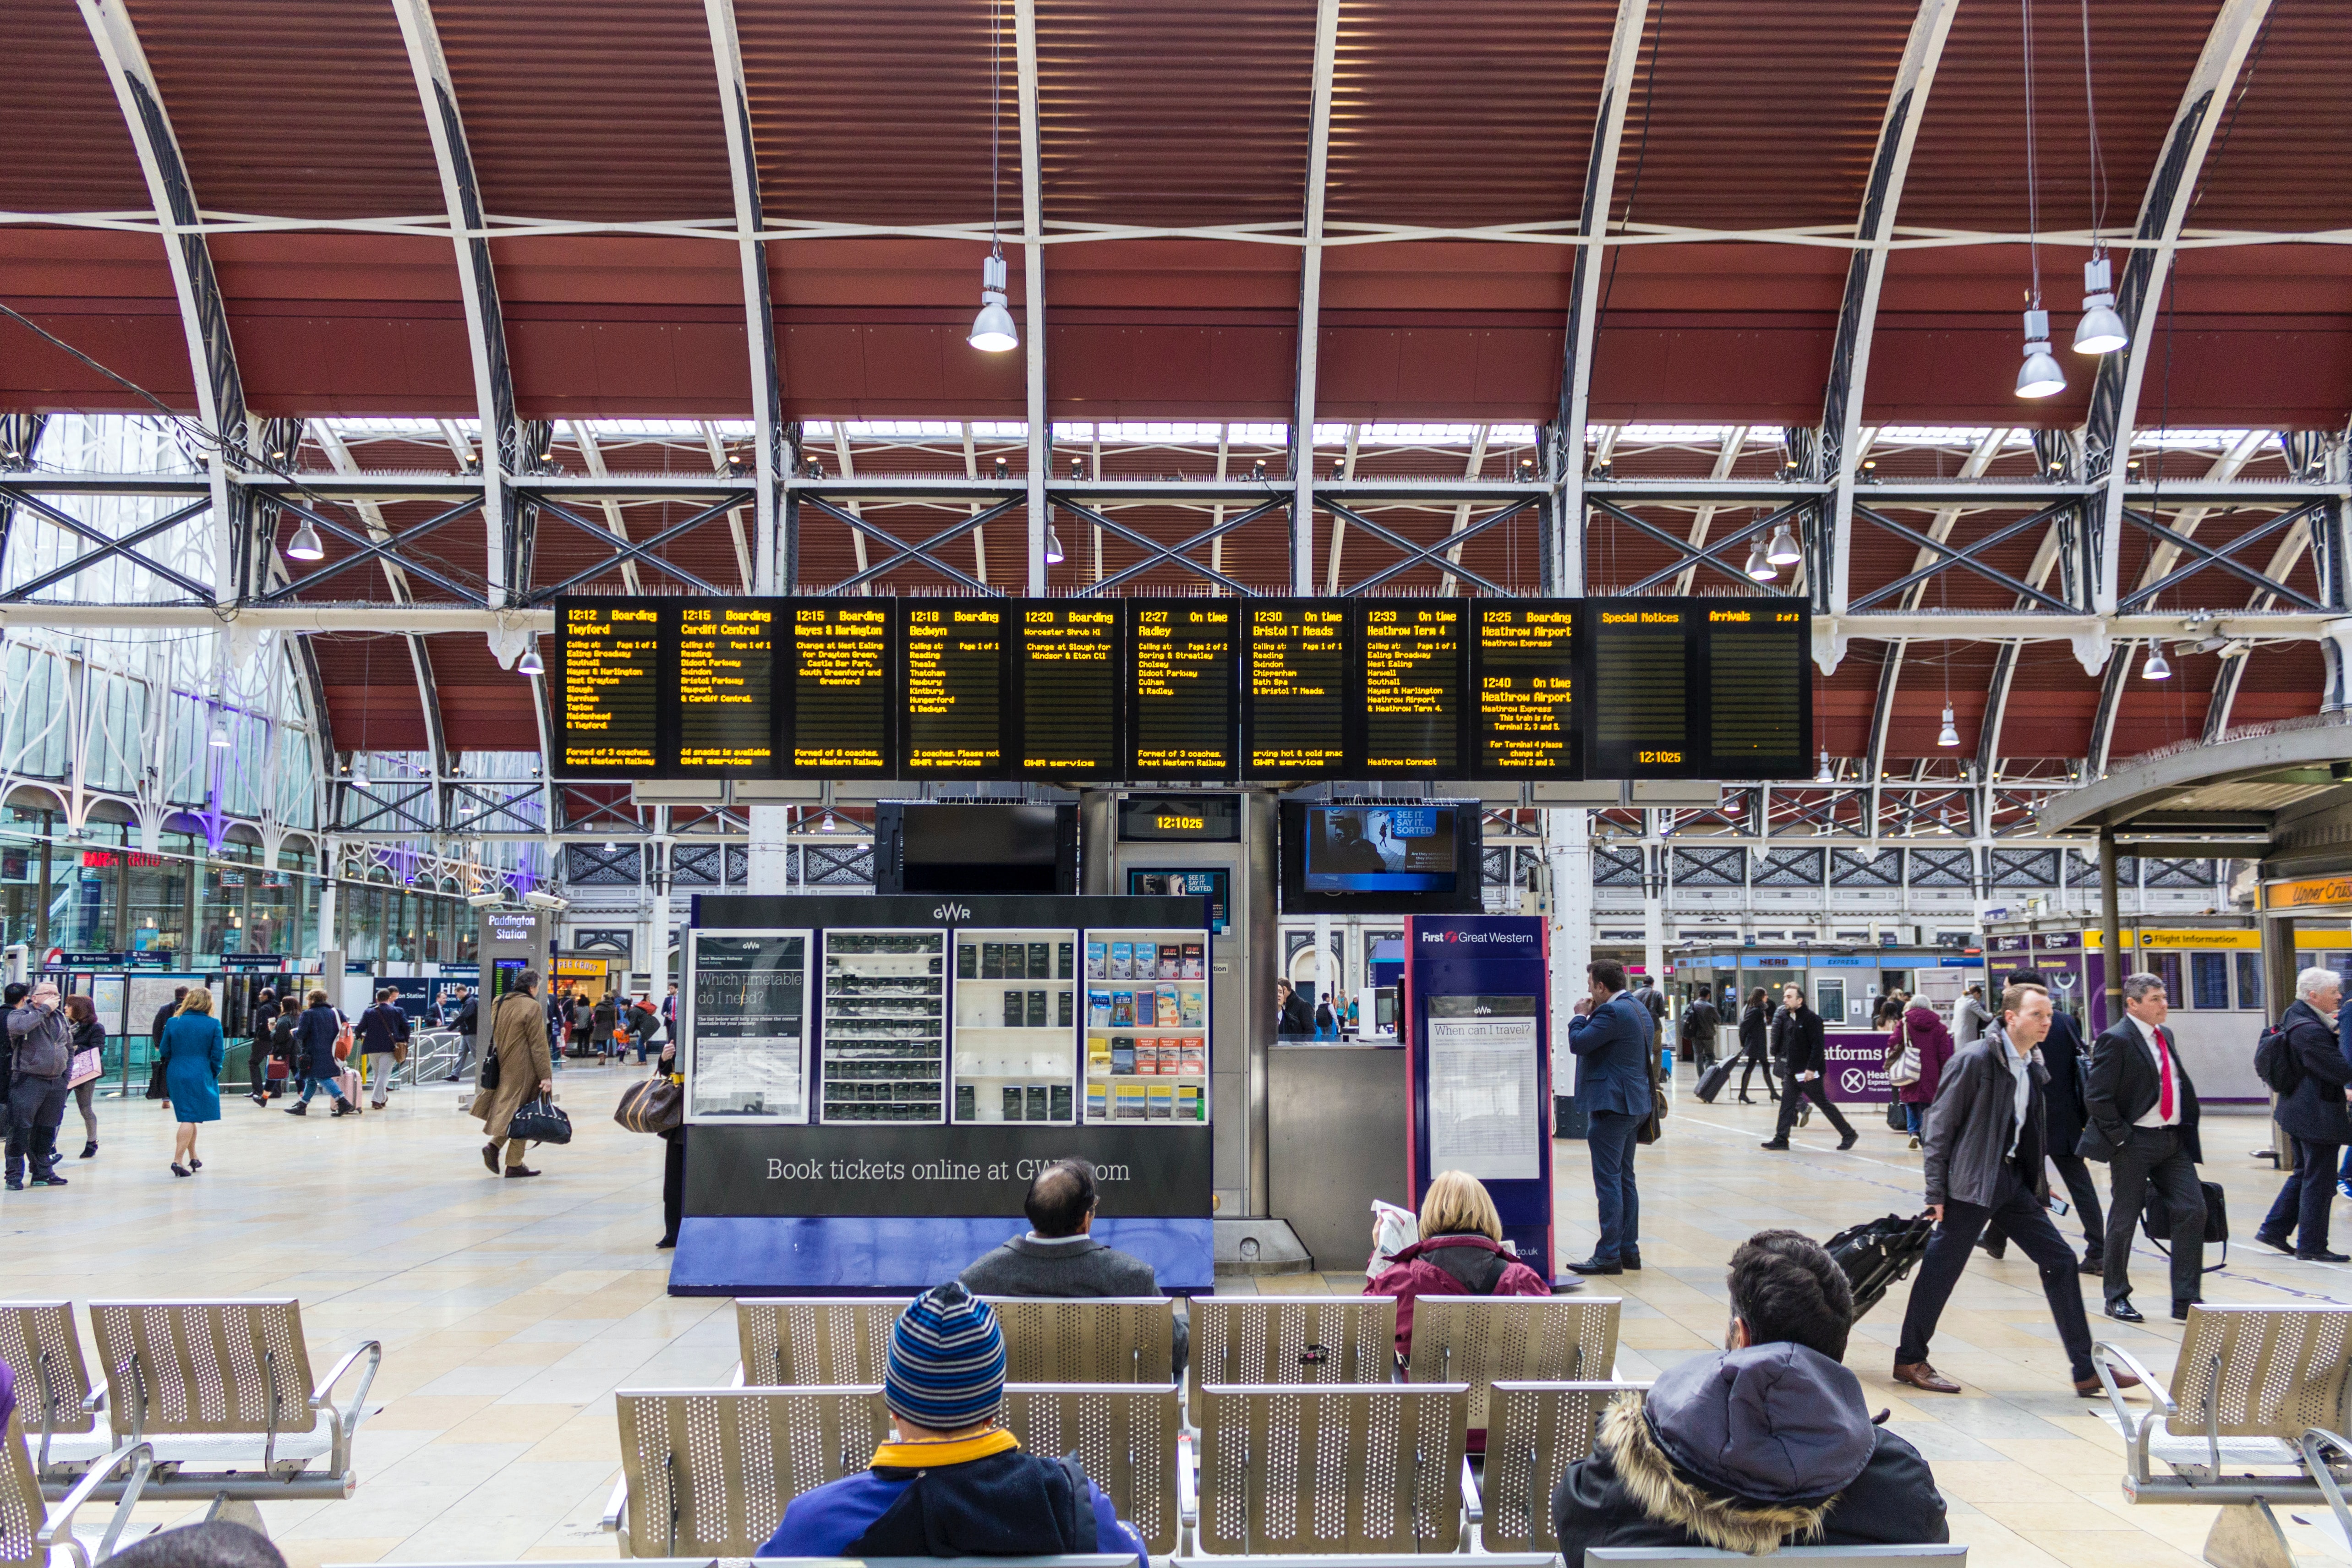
2302,1207
1817,1090
258,1061
36,1107
2155,1158
1749,1069
2077,1173
2020,1215
1610,1137
673,1181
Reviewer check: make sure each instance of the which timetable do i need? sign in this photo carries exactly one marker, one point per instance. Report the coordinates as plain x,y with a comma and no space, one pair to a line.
1183,690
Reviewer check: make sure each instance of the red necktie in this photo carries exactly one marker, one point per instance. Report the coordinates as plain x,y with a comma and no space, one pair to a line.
2164,1078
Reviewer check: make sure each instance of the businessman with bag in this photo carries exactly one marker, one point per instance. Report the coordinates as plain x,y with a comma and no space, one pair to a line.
2142,1114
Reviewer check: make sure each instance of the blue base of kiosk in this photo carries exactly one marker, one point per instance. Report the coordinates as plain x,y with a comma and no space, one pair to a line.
849,1254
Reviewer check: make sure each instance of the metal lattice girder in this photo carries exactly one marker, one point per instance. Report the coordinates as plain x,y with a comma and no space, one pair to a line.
1789,868
371,549
385,808
620,549
589,865
2223,557
489,808
1965,556
1710,867
2022,868
1144,542
1943,868
1175,552
1419,555
106,547
1704,555
1854,868
601,808
919,553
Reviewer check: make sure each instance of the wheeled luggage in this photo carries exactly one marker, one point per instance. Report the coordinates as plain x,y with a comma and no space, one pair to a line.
1711,1083
1877,1254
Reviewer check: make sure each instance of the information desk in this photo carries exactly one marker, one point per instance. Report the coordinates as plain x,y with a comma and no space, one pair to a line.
871,1082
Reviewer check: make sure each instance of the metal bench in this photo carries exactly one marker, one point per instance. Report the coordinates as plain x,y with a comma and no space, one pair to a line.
1125,1436
1535,1431
1940,1555
1268,1340
34,1535
2258,1395
819,1343
1102,1339
708,1471
1085,1560
1542,1339
38,1339
1332,1467
222,1390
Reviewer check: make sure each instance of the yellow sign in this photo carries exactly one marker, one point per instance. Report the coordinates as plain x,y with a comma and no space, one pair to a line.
2314,893
2310,938
580,969
2211,940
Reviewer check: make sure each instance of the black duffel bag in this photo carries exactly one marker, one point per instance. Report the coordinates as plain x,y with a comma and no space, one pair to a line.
2156,1220
1877,1254
541,1120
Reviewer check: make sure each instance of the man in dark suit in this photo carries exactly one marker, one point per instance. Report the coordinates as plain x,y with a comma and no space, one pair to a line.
1610,1037
1808,1054
2062,1054
2142,1114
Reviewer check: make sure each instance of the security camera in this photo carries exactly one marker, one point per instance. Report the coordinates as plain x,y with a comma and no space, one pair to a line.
485,900
538,900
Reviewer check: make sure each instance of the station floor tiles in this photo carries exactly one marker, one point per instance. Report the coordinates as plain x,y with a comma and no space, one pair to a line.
510,1312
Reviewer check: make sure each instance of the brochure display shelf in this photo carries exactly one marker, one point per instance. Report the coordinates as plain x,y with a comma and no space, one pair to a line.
1015,1040
883,1025
1146,1039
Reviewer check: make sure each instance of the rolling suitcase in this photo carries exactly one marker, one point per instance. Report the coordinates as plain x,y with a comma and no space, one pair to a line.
1711,1083
1878,1254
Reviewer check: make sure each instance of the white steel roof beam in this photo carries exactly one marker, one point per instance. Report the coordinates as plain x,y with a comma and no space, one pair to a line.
1311,301
770,456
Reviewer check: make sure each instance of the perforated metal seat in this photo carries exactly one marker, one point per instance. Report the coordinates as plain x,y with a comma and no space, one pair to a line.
35,1534
1535,1431
1332,1467
1477,1340
2260,1396
1124,1436
54,1393
1266,1341
819,1343
1941,1555
222,1389
1103,1339
708,1470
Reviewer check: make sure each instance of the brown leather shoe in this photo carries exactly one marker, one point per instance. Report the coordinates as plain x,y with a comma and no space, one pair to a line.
2090,1388
1919,1375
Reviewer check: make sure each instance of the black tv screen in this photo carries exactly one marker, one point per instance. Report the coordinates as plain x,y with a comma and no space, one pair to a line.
1422,859
975,848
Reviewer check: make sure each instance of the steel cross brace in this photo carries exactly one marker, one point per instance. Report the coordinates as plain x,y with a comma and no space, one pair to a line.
373,548
388,802
106,547
1158,552
1965,556
1418,555
919,553
2222,558
625,549
1170,552
495,811
606,812
1683,554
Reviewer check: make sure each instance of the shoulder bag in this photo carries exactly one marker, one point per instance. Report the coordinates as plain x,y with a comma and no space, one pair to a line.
541,1120
655,1104
1653,1125
1904,1069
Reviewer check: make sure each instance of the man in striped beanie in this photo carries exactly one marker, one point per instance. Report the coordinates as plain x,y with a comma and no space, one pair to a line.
952,1482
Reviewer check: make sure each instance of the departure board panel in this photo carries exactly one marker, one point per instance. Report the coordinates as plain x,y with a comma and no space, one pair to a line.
609,712
1410,654
1760,694
841,667
1644,725
1296,665
1067,669
1182,721
1524,723
725,685
951,714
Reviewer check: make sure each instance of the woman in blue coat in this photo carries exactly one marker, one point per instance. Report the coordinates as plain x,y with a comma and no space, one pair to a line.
193,1053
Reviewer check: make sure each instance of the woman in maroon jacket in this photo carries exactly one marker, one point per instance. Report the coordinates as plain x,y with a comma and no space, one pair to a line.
1922,1027
1460,1253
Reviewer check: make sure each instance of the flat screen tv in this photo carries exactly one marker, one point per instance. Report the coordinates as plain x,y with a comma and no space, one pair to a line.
1420,859
949,848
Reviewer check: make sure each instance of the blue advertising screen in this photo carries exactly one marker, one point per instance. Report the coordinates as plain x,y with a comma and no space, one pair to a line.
1380,849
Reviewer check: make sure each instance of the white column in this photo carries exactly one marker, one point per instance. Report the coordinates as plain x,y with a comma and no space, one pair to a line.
771,856
1654,904
1327,969
1568,855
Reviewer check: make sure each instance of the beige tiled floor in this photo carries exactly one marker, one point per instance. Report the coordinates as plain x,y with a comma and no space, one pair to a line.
509,1311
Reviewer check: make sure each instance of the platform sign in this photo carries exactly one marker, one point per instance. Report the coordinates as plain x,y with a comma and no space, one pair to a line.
608,705
1524,723
951,705
1410,652
1065,687
725,688
1299,659
842,716
1183,718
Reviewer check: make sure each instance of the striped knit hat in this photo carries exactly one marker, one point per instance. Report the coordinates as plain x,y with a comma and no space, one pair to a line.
947,1361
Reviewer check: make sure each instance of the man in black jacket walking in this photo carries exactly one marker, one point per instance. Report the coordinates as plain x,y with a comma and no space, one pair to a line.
1699,1022
2313,1114
2143,1114
1807,1057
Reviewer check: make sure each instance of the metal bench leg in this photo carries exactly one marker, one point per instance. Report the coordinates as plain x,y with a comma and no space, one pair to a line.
248,1513
2247,1535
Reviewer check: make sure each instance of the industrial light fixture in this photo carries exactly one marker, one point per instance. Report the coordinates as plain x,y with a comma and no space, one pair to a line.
305,544
1004,469
2156,667
1760,565
2039,376
1827,774
992,330
2101,330
359,776
611,848
1053,546
1258,469
1950,734
1783,551
530,663
220,734
1077,467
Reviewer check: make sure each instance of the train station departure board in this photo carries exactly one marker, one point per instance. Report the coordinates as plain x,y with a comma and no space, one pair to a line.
1182,719
1209,689
1298,665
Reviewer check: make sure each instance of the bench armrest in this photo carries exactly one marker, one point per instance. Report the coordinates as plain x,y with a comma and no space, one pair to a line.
2314,1460
97,1400
2104,1357
56,1529
344,1421
615,1521
1188,1494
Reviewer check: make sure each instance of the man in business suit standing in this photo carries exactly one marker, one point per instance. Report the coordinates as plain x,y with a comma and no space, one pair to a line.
1610,1037
1807,1057
2142,1114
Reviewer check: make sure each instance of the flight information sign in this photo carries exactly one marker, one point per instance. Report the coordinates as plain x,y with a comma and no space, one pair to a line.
1643,680
725,686
1067,668
1299,665
1760,694
952,706
608,720
840,664
1183,718
1524,723
1410,654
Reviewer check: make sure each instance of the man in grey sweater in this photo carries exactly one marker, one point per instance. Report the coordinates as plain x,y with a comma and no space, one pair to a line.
1058,1258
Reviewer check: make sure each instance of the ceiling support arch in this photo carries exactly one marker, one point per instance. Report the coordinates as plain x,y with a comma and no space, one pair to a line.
2164,208
203,314
420,656
773,456
1311,302
1841,442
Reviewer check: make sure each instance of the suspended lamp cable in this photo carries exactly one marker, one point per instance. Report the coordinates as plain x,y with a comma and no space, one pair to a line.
2101,330
992,330
2039,376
